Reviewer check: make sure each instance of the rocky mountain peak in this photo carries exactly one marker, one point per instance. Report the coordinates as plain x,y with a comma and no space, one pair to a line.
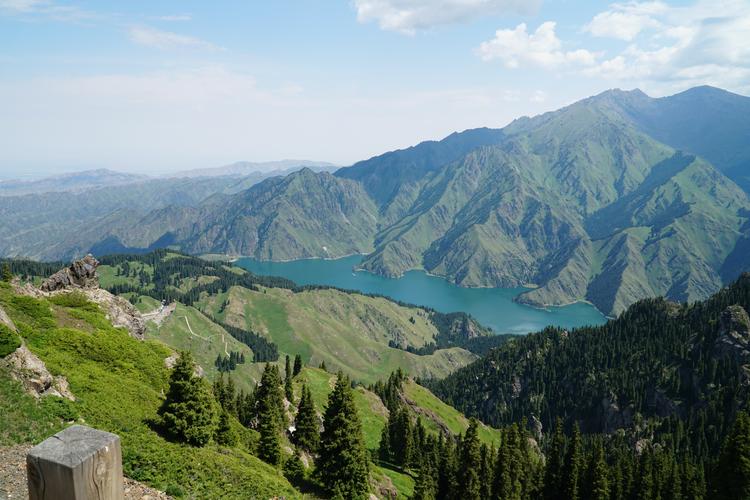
80,274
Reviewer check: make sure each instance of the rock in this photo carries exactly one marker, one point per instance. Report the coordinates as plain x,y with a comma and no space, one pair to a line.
612,416
80,274
28,369
734,335
119,311
81,277
536,428
5,320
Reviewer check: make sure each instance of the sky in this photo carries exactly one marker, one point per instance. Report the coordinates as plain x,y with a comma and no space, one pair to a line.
159,86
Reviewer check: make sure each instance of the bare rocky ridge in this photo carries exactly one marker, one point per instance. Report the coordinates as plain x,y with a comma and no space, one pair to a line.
5,320
734,334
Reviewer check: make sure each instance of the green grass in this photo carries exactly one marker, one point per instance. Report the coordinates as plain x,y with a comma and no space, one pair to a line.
371,411
25,420
118,382
348,331
174,332
9,341
404,483
108,275
436,414
146,304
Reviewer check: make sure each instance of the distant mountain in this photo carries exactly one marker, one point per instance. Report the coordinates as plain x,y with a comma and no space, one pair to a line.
612,199
76,181
261,170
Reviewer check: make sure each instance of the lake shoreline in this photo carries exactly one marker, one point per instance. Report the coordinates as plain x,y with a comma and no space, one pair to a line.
494,307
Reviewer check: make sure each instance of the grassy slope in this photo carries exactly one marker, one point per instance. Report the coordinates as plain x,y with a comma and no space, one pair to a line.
119,384
206,344
436,414
347,331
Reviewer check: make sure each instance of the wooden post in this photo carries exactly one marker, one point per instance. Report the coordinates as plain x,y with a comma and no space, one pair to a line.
79,463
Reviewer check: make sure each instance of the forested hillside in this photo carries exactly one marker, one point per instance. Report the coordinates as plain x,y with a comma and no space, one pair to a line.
662,374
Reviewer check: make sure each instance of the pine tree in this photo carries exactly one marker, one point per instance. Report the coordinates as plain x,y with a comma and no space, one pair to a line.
323,366
225,434
399,427
294,470
599,474
384,450
7,275
573,466
297,365
469,482
424,487
446,469
270,415
288,389
306,423
343,467
732,477
189,412
553,474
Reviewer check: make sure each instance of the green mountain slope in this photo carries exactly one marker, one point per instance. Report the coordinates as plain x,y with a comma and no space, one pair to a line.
612,199
660,366
119,384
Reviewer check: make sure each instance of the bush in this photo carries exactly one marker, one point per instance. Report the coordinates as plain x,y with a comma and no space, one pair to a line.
73,299
294,470
9,341
61,408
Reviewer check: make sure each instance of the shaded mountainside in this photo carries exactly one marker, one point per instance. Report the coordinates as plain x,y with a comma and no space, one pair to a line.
659,368
612,199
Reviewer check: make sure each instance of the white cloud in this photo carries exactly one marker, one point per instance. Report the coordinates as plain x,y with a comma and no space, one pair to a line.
46,8
152,37
676,47
518,47
175,17
626,21
410,16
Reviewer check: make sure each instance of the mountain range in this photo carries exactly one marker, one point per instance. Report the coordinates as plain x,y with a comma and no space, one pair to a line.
612,199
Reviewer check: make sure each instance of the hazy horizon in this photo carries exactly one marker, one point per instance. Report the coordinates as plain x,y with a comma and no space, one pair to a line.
154,89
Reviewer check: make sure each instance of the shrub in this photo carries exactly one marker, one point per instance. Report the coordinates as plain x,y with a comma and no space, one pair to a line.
9,341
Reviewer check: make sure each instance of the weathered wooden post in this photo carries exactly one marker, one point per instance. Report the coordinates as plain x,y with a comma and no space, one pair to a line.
79,463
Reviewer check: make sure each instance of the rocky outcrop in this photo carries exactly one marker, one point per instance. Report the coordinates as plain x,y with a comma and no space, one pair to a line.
119,311
27,368
734,335
80,274
5,320
81,277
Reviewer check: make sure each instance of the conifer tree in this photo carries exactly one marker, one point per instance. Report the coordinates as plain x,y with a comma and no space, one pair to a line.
270,415
553,473
599,474
189,412
288,390
225,434
469,487
306,423
294,470
297,365
399,427
573,466
7,275
384,450
343,467
446,469
424,487
732,478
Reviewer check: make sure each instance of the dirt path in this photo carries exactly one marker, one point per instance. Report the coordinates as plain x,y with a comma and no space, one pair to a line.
159,315
13,478
226,345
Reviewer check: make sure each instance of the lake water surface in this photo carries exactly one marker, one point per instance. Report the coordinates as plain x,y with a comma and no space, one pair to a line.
493,307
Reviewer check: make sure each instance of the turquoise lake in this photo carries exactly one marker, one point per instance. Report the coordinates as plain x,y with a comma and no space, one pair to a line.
493,307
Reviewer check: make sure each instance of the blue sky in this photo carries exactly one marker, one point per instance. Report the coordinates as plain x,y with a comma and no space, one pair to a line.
157,86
